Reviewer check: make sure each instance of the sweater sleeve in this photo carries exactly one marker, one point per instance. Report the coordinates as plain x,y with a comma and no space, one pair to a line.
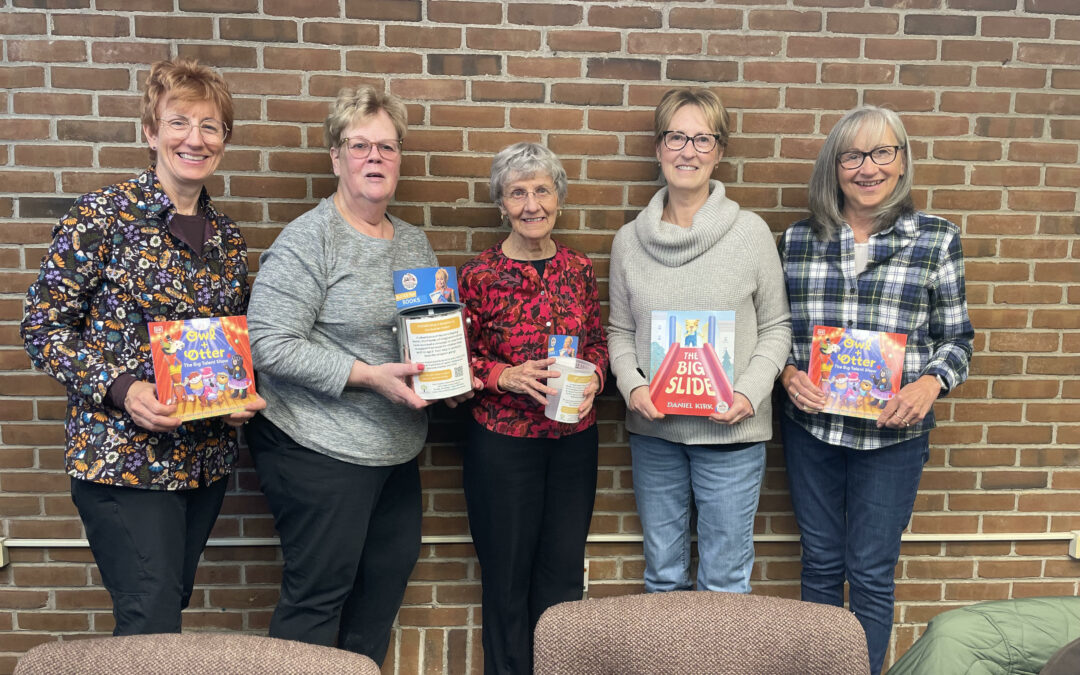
773,320
621,325
596,349
285,302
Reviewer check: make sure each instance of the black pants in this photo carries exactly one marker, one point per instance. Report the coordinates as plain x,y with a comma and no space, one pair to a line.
147,544
350,536
530,501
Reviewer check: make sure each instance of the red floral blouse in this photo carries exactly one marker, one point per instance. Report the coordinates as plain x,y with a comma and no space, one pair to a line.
514,310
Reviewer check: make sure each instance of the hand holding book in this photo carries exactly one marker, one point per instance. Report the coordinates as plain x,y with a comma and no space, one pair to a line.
910,404
804,394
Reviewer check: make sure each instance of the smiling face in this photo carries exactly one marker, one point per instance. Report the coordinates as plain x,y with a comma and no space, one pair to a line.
375,177
532,218
871,184
687,169
185,162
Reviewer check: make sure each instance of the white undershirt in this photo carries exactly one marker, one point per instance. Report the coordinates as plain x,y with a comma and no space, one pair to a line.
862,255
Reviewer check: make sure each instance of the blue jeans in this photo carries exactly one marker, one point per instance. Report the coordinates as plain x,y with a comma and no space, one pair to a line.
725,485
851,507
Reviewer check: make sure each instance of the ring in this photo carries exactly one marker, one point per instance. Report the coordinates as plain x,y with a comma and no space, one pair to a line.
903,421
797,395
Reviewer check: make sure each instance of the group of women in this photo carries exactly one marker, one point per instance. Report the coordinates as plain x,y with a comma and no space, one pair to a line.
337,428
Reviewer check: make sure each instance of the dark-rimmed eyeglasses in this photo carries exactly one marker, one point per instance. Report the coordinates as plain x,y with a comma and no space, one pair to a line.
677,140
360,147
882,155
210,128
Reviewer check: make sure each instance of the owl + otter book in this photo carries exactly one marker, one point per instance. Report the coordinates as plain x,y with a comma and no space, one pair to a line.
859,371
202,365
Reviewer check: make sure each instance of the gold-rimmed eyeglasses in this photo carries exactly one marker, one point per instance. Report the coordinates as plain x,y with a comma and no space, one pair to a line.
210,128
520,195
360,147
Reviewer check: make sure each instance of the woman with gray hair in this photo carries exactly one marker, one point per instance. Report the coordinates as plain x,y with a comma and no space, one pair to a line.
866,259
529,481
336,447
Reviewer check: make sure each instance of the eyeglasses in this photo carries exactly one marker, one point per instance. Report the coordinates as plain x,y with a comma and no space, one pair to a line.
677,140
210,128
881,155
360,147
520,195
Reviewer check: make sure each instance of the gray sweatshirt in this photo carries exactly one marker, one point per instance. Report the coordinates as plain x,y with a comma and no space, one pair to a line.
726,260
323,298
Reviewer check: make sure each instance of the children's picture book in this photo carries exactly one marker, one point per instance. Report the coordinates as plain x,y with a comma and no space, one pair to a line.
858,370
202,365
691,366
423,286
562,345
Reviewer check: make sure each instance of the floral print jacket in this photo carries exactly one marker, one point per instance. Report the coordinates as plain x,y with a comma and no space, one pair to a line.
114,266
514,311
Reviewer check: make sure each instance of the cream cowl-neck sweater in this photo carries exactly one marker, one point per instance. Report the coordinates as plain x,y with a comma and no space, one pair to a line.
726,260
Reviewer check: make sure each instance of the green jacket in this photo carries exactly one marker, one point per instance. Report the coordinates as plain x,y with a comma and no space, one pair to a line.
1007,637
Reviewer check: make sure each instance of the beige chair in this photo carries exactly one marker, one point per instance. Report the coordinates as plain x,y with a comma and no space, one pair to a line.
201,653
699,632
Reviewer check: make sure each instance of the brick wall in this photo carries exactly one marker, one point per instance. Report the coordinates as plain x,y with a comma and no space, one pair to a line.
989,90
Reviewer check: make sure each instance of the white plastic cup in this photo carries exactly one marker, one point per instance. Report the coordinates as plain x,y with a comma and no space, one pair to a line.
574,377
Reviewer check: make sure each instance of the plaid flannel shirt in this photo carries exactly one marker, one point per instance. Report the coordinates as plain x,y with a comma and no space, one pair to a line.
913,284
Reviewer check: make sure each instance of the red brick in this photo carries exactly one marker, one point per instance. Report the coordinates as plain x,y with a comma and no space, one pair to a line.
901,49
743,45
345,34
306,10
802,46
785,21
174,27
697,18
702,71
419,36
502,39
436,90
976,50
664,43
862,23
583,41
220,56
451,11
624,17
821,99
855,73
587,94
483,91
542,67
384,10
938,24
544,14
546,118
1059,54
84,25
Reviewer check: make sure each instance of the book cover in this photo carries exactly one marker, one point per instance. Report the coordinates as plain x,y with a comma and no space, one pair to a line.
202,365
691,366
425,286
562,345
858,370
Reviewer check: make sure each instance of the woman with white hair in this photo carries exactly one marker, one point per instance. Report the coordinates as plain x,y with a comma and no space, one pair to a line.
867,259
529,481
